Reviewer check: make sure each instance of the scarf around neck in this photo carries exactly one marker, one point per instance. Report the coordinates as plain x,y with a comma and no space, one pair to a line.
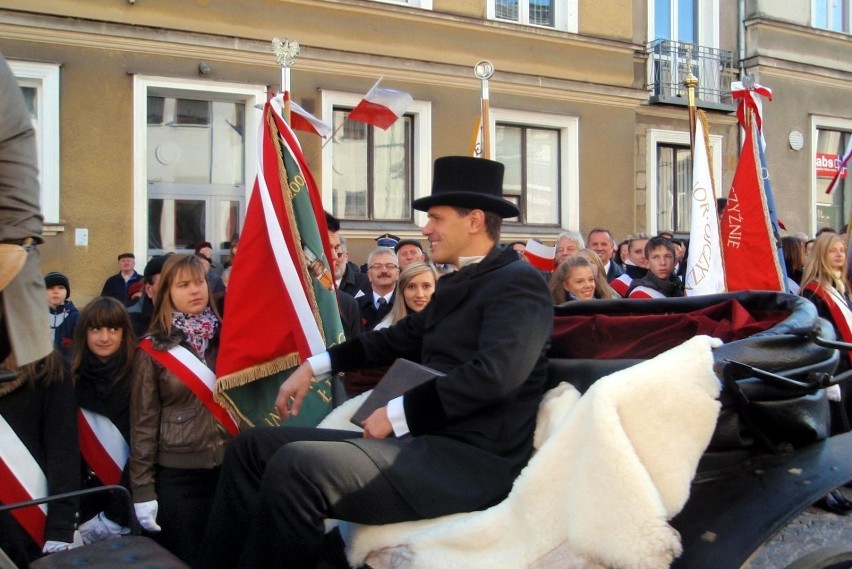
198,329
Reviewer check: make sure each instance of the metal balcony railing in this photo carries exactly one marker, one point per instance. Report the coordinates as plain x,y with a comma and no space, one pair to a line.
668,66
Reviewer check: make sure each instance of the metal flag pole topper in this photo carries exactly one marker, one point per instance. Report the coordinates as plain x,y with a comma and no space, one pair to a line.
484,70
285,52
690,82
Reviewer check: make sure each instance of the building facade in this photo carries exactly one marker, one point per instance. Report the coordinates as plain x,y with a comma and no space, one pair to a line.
146,111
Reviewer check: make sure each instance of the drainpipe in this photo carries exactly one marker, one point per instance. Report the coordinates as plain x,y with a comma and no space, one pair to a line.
741,37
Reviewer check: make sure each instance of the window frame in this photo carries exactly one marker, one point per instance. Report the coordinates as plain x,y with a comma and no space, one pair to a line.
422,4
708,22
826,123
655,137
44,77
564,16
846,25
422,149
251,96
569,160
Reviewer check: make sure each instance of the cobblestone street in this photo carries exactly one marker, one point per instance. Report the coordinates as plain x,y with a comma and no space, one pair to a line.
813,530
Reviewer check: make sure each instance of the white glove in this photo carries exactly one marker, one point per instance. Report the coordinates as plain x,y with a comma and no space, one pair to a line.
100,528
833,392
51,546
146,513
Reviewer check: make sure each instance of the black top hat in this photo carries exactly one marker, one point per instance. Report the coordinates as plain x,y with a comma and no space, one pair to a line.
464,181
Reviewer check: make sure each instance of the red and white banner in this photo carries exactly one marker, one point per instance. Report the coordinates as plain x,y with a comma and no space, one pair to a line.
21,479
199,378
102,445
381,107
749,95
621,284
748,241
540,255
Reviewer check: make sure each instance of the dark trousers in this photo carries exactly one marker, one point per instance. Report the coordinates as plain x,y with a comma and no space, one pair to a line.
185,497
279,484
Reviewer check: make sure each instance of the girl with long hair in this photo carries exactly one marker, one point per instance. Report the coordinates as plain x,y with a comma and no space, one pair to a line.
38,427
178,433
602,289
414,288
824,283
101,365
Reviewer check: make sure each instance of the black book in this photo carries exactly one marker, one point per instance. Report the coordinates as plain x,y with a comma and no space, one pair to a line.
400,377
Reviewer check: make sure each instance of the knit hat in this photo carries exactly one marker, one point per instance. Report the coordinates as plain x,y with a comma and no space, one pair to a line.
58,279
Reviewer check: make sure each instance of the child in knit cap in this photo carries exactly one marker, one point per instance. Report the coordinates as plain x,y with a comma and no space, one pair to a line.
63,313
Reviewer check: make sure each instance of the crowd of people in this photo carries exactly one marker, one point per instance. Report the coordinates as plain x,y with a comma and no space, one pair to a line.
125,370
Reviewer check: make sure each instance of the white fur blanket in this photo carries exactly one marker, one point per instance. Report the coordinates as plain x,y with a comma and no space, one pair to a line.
611,468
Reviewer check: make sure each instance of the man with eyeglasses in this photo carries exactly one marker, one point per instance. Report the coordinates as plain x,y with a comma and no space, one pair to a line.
383,272
452,444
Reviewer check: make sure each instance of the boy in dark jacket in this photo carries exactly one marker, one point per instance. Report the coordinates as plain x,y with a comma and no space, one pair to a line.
63,313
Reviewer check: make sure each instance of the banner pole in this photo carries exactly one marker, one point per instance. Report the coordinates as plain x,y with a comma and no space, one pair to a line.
484,70
285,51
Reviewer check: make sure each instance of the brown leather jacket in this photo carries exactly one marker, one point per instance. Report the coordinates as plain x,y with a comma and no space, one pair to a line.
169,426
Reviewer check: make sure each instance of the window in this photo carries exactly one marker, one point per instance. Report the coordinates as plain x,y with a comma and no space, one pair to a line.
834,15
540,153
557,14
531,180
370,174
832,139
195,150
674,187
669,179
40,85
373,169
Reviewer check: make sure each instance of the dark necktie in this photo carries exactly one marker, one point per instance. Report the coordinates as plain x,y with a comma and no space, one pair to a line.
381,303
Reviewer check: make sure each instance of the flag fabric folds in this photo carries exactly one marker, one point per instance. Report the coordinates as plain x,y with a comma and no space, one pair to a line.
381,107
281,306
476,138
540,255
300,119
705,273
750,232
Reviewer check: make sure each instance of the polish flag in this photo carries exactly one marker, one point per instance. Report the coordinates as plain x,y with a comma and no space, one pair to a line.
381,107
300,119
540,255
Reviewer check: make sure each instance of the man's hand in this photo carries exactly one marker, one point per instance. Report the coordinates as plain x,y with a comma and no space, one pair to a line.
293,391
377,425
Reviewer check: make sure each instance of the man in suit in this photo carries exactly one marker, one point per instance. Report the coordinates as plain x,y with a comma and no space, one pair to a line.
22,301
601,242
452,444
383,272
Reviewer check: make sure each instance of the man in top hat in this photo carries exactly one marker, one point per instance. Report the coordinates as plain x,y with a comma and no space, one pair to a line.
452,444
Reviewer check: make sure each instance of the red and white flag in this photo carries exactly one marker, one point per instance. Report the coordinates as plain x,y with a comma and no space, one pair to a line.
300,119
539,255
749,245
381,107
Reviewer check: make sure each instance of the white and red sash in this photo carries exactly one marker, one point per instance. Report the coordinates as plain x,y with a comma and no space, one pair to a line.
645,292
621,284
838,308
22,479
102,445
195,375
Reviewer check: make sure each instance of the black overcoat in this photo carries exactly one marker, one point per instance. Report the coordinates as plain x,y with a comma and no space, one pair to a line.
488,328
